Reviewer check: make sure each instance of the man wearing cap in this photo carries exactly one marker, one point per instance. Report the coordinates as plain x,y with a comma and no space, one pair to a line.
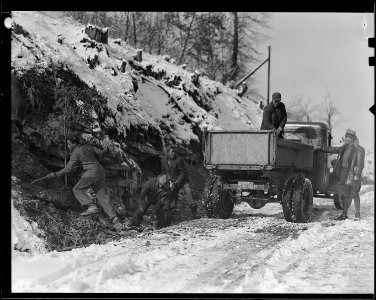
94,176
342,167
175,168
155,192
355,175
274,117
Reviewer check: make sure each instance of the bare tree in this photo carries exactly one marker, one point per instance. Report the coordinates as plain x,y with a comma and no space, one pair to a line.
187,38
301,110
235,47
126,27
330,111
134,29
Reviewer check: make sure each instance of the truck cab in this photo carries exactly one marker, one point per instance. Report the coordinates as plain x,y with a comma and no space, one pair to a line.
318,135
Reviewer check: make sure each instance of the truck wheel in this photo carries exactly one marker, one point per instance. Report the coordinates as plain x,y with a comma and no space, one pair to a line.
337,201
302,201
218,202
287,199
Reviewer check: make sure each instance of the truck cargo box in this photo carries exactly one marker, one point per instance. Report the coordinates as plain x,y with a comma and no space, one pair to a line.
252,150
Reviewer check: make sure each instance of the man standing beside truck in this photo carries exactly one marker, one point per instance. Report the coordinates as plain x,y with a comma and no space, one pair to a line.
275,116
342,167
354,177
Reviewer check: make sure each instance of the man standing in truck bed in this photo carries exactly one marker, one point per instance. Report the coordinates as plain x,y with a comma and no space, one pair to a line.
274,117
175,168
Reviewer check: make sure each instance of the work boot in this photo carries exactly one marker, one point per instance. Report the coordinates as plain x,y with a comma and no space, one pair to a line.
357,217
342,217
194,212
92,209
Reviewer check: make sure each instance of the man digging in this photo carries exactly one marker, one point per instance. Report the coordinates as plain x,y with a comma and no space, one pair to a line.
94,176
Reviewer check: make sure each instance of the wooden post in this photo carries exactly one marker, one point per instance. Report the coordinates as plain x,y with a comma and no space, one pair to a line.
243,89
250,74
97,33
195,77
267,101
139,55
123,65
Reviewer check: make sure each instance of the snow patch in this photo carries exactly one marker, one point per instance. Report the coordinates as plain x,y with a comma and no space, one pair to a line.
24,234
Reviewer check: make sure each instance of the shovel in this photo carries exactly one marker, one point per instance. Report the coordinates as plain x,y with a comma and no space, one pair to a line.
36,180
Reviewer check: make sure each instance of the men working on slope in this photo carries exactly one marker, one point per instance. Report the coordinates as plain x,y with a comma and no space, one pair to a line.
94,176
274,117
175,168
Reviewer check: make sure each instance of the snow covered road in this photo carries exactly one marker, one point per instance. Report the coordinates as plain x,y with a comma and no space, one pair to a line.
255,251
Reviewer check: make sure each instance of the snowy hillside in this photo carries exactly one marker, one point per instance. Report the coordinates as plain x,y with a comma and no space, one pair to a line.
175,107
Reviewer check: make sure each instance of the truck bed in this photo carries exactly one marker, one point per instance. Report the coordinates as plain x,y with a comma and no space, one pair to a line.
254,150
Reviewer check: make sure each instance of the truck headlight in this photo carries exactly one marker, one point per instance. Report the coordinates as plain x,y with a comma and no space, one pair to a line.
266,188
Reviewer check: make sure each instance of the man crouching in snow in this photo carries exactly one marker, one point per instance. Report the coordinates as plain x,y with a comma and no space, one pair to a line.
155,191
94,176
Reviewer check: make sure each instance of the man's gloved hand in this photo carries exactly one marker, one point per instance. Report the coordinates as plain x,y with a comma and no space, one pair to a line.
356,177
50,175
173,186
278,131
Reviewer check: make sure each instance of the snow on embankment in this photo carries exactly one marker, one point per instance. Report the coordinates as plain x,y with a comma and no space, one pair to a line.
211,105
25,234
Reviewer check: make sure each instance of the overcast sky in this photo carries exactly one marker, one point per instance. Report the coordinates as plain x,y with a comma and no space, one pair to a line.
316,53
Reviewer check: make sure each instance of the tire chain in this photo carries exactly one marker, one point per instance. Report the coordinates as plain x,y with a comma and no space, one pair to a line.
207,198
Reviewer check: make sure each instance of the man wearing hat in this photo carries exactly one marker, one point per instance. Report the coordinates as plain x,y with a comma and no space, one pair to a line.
342,167
355,175
175,168
94,176
274,117
155,192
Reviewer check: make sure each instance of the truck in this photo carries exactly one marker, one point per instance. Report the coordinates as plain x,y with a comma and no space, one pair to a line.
259,168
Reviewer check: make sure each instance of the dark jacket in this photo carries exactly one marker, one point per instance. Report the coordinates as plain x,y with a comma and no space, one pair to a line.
274,117
85,155
151,192
341,151
356,166
177,171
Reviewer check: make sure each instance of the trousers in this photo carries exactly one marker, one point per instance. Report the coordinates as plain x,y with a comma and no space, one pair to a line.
355,195
98,184
344,191
188,195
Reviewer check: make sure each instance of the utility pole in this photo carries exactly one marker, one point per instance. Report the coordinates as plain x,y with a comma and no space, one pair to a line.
267,101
